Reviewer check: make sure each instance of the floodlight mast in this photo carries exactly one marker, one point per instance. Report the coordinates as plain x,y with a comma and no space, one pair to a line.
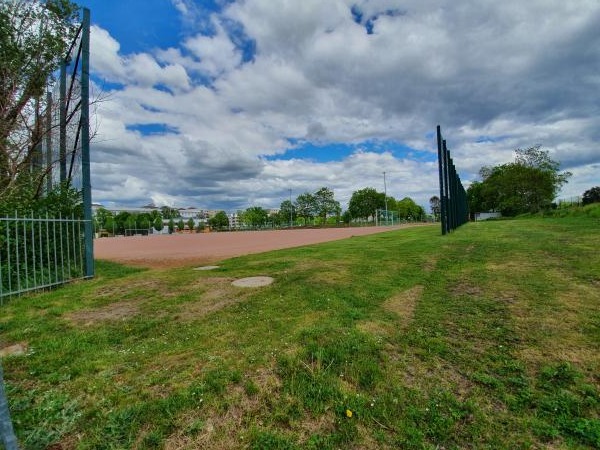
385,198
291,209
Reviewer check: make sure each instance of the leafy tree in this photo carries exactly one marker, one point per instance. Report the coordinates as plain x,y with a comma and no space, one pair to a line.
591,196
110,224
365,202
325,203
255,216
143,221
286,211
306,206
158,223
34,38
169,213
171,226
102,216
346,217
527,185
476,198
180,225
409,210
219,221
121,222
436,207
190,224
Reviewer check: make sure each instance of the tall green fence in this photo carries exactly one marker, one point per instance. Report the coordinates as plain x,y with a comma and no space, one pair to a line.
454,210
40,252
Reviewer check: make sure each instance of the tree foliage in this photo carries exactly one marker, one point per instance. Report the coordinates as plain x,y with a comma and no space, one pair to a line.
287,213
169,213
527,185
255,216
326,204
34,38
409,210
436,206
305,206
591,196
365,202
219,221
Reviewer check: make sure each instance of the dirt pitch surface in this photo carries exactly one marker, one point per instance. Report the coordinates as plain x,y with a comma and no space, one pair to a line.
178,250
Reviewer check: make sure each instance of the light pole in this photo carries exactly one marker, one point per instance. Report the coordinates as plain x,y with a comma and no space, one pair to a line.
385,198
291,208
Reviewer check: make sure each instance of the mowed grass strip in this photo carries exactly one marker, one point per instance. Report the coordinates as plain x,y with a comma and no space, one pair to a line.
485,338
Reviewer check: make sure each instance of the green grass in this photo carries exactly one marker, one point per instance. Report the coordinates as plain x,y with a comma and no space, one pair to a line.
485,338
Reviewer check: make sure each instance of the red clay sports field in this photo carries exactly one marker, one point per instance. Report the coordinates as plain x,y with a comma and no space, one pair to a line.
206,248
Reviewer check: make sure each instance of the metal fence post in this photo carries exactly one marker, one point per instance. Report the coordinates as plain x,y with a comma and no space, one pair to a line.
85,144
441,170
6,429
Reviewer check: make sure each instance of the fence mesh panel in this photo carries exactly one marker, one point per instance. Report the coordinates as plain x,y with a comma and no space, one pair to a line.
40,252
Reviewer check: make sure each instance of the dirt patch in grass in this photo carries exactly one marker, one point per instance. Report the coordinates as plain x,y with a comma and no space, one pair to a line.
323,425
404,303
466,288
18,349
113,312
218,294
118,288
208,427
375,328
557,330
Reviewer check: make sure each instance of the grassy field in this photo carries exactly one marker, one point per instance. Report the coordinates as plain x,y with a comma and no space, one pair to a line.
486,338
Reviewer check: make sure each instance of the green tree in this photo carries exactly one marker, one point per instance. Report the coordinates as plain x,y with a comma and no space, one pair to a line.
306,206
436,207
287,213
121,222
190,224
143,221
169,213
255,216
409,210
102,216
34,38
591,196
365,202
346,217
476,198
158,223
325,204
171,226
180,225
110,225
527,185
219,221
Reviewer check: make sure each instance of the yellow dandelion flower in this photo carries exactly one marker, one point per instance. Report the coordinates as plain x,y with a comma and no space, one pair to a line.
348,413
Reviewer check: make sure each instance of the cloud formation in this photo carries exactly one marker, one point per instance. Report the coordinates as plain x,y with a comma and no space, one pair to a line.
214,122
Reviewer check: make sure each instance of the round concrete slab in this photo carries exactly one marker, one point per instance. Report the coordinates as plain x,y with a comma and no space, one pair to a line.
253,282
206,268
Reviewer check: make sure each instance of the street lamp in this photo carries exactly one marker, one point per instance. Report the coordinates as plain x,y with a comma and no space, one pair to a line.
385,198
291,208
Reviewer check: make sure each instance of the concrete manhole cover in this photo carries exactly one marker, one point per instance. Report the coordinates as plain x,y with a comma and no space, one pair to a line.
207,268
253,282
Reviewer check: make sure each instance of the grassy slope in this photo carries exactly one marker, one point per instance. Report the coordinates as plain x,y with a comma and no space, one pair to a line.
489,337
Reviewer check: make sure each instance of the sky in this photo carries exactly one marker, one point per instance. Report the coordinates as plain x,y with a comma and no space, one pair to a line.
225,104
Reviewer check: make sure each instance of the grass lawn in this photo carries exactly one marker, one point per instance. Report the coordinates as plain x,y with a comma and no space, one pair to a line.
485,338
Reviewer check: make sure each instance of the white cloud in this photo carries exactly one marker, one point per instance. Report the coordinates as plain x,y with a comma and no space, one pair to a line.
141,69
496,75
217,54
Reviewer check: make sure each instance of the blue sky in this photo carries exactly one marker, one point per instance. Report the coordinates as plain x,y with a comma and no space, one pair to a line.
229,104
